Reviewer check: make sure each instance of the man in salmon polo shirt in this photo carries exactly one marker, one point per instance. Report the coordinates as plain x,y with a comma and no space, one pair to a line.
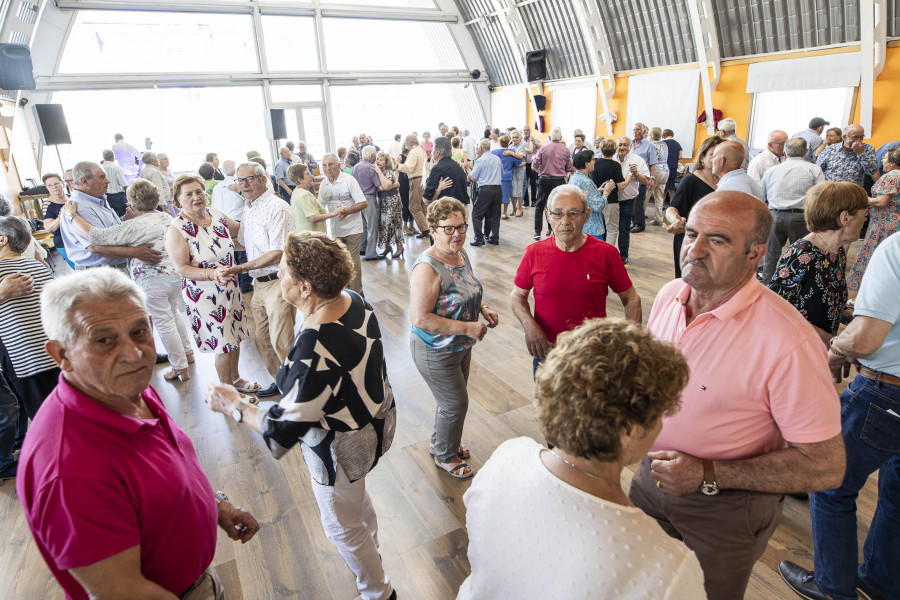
111,487
571,274
759,416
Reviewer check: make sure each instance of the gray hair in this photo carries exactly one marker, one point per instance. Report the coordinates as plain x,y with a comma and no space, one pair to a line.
147,157
846,130
61,296
443,145
5,206
258,169
301,142
567,189
84,170
18,234
485,144
728,125
369,152
465,132
795,148
332,155
516,132
556,134
644,128
142,195
228,168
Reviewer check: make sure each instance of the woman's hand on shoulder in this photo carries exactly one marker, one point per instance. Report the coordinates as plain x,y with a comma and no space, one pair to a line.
70,208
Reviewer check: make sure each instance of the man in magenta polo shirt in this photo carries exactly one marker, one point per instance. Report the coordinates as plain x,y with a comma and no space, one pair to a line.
111,487
552,162
571,274
759,416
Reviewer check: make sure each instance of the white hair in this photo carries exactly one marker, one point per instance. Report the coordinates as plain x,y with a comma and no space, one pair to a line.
61,296
515,132
728,125
485,144
369,152
258,169
556,135
84,170
567,189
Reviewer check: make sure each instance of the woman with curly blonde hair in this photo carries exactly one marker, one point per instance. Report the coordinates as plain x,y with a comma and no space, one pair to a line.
556,523
390,225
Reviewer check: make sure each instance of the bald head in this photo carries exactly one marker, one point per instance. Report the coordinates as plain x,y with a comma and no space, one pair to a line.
775,142
753,217
727,157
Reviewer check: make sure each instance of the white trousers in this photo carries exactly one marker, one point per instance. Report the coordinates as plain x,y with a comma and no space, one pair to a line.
167,309
612,225
349,520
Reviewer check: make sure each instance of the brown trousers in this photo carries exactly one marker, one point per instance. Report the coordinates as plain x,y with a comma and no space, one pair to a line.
416,203
273,324
728,532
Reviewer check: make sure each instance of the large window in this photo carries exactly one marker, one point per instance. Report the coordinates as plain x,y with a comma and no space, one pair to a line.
575,107
184,123
392,3
509,108
296,93
351,45
138,42
290,43
790,111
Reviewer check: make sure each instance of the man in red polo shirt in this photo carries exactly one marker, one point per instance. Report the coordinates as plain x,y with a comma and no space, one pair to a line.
113,493
571,274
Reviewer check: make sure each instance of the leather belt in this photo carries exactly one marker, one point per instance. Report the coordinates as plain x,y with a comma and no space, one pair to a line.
787,210
879,376
266,278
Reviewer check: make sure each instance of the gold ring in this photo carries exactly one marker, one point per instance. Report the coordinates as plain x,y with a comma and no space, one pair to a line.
658,485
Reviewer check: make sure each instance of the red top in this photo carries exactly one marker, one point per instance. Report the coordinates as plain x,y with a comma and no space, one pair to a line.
94,482
570,287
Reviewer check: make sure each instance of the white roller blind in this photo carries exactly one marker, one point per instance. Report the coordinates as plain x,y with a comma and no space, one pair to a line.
667,100
815,72
509,108
574,107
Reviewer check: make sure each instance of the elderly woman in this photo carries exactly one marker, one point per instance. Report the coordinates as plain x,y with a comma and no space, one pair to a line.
390,224
337,401
884,218
810,273
517,150
427,144
444,306
34,250
25,363
309,215
832,136
537,518
159,281
52,208
660,174
584,165
200,244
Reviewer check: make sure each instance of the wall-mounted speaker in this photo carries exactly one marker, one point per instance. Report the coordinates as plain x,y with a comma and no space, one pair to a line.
51,124
536,65
276,128
15,68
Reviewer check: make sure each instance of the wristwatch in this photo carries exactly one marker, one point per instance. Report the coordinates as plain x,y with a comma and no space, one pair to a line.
709,485
237,413
220,497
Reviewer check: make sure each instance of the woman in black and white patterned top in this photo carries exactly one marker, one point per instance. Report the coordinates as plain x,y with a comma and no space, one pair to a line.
336,400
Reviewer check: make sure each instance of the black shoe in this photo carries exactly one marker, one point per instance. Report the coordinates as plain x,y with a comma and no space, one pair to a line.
9,472
422,235
376,257
265,392
477,243
637,229
494,242
385,253
537,236
865,592
393,595
801,581
162,358
625,261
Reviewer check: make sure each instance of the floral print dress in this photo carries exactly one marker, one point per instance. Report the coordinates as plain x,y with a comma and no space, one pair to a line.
883,222
813,281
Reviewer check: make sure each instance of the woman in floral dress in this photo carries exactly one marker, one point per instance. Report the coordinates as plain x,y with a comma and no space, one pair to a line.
884,216
390,233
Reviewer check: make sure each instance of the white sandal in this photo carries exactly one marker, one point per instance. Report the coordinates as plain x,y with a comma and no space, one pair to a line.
252,388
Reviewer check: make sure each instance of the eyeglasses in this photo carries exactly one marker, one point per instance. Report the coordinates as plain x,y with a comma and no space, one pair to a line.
857,137
572,214
449,229
242,180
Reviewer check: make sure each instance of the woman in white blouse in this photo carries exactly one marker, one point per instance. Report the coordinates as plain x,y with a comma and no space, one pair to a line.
556,523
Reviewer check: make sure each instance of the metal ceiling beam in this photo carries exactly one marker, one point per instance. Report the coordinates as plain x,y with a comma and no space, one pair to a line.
873,44
706,42
587,14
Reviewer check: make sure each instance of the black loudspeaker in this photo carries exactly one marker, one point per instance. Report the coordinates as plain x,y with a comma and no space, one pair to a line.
536,63
51,123
276,128
15,68
540,102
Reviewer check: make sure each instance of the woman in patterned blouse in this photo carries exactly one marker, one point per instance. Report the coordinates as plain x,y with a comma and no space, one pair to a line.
336,400
810,274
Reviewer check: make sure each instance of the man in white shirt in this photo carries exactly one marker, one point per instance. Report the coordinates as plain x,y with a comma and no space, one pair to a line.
636,173
341,192
396,148
128,157
468,145
115,195
151,173
597,141
726,165
768,158
784,189
227,198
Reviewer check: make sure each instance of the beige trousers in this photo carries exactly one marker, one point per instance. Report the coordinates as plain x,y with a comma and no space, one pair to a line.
416,203
612,225
273,321
208,587
353,242
659,194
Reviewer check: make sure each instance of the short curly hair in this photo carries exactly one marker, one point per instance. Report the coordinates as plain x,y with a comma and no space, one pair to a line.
323,262
825,202
143,195
296,173
442,209
603,379
180,182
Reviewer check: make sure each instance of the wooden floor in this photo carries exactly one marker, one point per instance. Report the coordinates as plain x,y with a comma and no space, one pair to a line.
420,509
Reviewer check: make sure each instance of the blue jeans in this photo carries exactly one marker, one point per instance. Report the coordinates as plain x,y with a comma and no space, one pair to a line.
626,211
872,439
9,424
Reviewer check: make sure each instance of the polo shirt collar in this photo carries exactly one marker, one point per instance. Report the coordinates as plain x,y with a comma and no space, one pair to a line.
744,297
94,411
78,195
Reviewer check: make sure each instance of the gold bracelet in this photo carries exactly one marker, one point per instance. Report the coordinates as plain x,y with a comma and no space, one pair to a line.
484,306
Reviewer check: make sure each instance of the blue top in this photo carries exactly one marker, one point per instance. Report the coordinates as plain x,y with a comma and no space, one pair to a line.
488,169
879,298
647,151
459,299
879,154
281,168
509,163
596,202
96,212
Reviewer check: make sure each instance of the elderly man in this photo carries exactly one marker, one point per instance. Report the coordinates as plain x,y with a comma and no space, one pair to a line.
468,145
153,174
726,165
340,192
571,275
759,417
727,129
784,189
227,198
265,225
213,159
850,160
128,157
768,158
643,147
869,426
304,157
635,174
487,173
90,189
532,145
396,148
446,177
69,180
115,193
413,167
597,141
364,141
110,485
813,137
282,184
365,175
552,162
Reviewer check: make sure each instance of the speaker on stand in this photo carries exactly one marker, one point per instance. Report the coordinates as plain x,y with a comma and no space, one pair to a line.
51,125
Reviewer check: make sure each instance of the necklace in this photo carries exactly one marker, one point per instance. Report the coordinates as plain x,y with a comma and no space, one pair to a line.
824,242
318,308
597,477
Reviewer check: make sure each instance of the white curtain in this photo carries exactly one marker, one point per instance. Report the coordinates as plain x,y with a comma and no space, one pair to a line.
667,100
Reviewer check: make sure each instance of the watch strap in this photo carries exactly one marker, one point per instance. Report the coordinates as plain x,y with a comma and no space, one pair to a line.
709,473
